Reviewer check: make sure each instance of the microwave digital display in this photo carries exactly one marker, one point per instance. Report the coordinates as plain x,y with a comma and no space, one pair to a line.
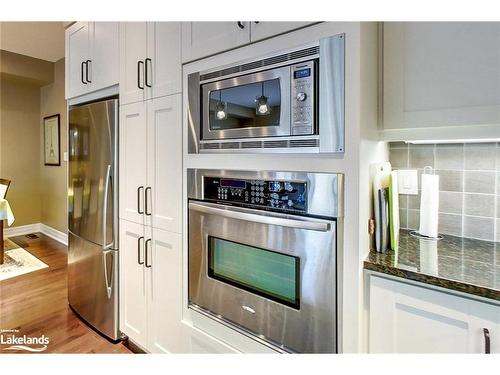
302,73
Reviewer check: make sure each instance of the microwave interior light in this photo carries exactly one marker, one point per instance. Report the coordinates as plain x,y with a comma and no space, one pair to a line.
220,108
262,104
470,140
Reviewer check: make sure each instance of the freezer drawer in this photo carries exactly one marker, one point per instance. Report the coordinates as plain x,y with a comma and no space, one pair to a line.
93,284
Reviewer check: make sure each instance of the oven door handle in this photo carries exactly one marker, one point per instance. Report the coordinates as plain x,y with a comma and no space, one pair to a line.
262,217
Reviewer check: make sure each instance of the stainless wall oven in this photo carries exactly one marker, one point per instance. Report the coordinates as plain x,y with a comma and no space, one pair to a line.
288,102
262,254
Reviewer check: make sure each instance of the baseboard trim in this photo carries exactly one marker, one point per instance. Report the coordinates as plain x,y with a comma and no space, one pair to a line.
54,233
37,227
21,230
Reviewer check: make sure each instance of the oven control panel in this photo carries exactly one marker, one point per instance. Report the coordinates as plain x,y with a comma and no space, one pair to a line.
278,195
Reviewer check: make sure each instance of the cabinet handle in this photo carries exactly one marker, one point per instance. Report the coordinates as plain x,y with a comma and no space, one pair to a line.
146,200
139,250
240,24
487,348
147,70
87,70
256,22
139,74
83,63
139,211
148,265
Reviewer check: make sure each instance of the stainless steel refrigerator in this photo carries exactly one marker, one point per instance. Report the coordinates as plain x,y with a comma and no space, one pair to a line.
93,215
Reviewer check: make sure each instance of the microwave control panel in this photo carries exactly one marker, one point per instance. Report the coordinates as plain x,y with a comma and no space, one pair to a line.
277,195
302,79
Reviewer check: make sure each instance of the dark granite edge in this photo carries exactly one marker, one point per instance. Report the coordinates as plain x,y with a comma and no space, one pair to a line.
464,287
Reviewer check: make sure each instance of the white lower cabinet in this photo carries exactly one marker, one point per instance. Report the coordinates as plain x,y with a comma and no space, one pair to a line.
133,291
405,318
151,287
165,293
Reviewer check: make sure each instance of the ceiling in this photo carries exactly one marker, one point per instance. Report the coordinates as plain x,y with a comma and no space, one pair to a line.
42,40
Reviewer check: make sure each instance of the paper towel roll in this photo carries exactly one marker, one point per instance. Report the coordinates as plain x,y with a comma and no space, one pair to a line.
429,205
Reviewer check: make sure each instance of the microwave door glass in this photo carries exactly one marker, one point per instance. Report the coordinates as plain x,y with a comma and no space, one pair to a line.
254,105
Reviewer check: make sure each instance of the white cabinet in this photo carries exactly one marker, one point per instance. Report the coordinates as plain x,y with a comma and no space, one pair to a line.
133,161
133,293
151,60
265,29
92,57
150,287
105,55
405,318
441,80
165,293
164,164
200,39
76,55
151,163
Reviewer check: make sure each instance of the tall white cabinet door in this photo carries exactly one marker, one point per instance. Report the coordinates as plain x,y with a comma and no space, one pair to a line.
133,47
165,312
133,161
165,163
105,65
163,64
133,291
441,75
200,39
77,52
267,29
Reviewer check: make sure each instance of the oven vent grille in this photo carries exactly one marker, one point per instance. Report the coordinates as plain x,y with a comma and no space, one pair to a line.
229,145
275,144
262,63
210,146
303,53
304,143
251,144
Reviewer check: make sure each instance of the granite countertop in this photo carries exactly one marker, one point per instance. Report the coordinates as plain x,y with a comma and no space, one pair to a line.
462,264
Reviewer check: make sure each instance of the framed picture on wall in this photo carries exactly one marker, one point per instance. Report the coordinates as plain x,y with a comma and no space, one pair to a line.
52,139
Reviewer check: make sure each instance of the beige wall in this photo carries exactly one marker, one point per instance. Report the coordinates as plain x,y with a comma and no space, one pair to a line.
20,147
53,179
38,192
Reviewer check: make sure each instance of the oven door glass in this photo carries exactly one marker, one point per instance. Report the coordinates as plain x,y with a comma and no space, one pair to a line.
267,273
255,105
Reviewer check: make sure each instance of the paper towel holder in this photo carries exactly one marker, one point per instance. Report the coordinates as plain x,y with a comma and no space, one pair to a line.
415,233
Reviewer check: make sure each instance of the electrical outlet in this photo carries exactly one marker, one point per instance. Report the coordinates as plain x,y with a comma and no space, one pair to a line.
407,181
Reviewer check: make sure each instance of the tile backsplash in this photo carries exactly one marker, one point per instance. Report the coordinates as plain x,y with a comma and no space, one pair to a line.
469,197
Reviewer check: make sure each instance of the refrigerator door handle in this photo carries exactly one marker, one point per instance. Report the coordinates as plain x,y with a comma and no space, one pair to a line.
108,280
106,246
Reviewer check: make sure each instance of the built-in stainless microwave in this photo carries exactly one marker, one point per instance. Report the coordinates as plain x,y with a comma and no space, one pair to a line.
290,102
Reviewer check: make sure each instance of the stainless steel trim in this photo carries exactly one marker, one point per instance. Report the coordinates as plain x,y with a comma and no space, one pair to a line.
193,113
332,93
260,216
219,319
325,191
105,245
284,127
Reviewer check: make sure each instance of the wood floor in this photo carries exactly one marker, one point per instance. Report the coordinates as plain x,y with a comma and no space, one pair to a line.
36,304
